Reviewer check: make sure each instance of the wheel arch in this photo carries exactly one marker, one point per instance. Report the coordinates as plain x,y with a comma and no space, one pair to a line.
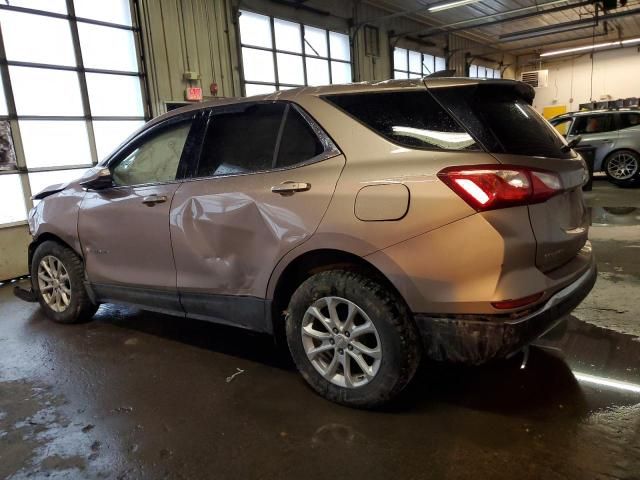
617,150
48,236
310,263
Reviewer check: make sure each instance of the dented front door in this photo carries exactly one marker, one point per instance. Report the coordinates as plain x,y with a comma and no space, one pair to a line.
228,233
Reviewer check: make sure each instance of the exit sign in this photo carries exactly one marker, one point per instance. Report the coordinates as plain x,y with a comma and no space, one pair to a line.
193,94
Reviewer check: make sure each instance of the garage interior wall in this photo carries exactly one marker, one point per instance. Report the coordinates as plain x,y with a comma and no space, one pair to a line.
613,74
201,36
180,36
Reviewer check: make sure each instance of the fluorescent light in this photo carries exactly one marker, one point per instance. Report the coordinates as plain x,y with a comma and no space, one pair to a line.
585,48
607,382
447,5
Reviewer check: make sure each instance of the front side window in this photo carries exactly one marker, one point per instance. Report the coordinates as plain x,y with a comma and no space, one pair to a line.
412,119
156,159
256,138
629,120
588,124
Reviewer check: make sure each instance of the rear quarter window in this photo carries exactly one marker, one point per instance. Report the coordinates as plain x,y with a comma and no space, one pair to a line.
411,119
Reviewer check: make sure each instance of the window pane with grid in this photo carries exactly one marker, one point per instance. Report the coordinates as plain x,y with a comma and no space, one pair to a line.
51,143
290,69
12,199
114,95
339,45
400,59
255,30
52,45
315,41
288,36
112,11
55,6
61,97
258,65
108,48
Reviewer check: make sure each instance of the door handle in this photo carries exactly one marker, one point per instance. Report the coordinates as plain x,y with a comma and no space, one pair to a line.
289,188
607,140
152,200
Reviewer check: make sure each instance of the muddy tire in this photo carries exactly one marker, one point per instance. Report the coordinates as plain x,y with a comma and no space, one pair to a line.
57,276
352,339
623,168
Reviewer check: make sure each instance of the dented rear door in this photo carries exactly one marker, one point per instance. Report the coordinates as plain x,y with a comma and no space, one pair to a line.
265,178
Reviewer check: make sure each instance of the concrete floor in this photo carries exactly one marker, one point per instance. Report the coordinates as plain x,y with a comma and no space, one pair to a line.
141,395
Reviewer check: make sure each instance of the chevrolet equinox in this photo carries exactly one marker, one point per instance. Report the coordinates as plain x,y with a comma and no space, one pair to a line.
368,224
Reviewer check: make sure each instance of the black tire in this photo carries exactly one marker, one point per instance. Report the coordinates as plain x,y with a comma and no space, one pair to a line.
633,180
80,308
397,333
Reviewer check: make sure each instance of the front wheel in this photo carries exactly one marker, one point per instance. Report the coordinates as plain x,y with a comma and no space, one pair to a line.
623,168
352,339
58,281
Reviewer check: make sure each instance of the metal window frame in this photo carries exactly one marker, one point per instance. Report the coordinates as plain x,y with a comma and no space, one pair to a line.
275,51
13,118
410,72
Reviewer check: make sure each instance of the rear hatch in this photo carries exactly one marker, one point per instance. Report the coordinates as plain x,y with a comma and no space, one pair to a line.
498,114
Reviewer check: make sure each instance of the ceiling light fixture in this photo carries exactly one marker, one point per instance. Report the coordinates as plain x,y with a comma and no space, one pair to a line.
586,48
438,7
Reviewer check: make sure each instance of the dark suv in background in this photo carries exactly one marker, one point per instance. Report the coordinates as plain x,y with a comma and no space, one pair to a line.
615,137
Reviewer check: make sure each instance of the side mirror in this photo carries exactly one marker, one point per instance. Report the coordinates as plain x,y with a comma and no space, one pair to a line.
99,181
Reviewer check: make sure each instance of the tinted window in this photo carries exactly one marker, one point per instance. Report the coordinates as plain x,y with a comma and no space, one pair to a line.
241,141
586,124
155,159
628,120
299,143
412,119
502,121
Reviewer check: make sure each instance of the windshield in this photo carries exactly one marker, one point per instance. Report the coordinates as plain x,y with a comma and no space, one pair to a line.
502,121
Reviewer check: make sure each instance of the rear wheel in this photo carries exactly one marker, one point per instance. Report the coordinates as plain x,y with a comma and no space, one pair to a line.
58,282
352,340
623,168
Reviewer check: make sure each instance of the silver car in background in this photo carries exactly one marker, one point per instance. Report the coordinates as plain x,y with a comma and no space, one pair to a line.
615,137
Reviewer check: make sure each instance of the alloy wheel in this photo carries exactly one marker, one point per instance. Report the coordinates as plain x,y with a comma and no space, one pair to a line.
622,166
54,283
341,342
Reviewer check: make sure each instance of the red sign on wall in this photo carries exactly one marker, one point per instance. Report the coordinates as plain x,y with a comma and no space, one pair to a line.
193,94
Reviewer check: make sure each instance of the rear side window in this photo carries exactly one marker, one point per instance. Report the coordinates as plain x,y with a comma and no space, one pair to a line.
256,138
587,124
241,141
628,120
412,119
299,143
502,121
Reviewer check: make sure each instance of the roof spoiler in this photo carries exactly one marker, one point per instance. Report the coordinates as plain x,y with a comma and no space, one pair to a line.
522,90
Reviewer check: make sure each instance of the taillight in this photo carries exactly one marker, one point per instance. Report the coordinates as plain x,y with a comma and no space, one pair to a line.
517,303
487,187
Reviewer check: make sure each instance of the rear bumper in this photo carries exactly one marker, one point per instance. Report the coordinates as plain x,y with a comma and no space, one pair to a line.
477,341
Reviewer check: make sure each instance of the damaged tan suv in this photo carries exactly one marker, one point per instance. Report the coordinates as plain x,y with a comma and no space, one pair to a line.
369,224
